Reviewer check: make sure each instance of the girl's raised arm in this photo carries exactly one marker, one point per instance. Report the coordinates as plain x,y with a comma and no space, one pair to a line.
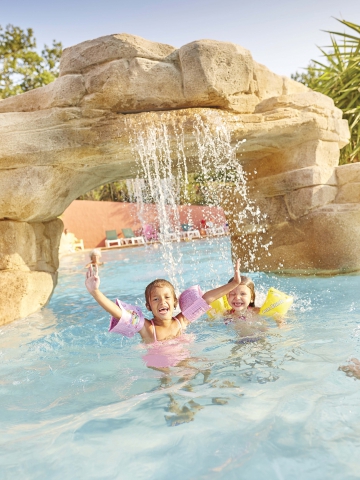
219,292
92,284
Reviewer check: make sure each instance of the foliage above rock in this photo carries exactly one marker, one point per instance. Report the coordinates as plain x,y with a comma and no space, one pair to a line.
338,76
21,67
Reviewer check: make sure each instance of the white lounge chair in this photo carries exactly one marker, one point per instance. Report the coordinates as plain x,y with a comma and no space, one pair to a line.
112,239
130,239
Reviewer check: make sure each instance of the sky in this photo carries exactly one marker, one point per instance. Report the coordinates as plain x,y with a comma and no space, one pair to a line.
281,34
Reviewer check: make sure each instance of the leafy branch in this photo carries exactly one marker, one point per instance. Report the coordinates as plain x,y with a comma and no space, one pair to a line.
338,76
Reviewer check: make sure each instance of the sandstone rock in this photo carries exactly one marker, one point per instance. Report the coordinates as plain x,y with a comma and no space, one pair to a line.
291,87
80,58
17,246
320,153
301,202
218,74
348,173
333,231
125,73
310,101
287,182
60,141
233,203
348,177
321,242
30,246
47,191
24,293
48,158
288,249
267,84
306,154
28,266
349,193
65,92
134,85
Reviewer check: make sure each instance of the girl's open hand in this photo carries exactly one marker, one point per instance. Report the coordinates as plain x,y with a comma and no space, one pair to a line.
237,274
92,281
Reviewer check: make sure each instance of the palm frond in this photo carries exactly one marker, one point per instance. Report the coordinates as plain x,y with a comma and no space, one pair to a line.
338,76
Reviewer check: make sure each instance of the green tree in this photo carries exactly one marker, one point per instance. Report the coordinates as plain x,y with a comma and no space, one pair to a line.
21,66
195,192
109,192
339,78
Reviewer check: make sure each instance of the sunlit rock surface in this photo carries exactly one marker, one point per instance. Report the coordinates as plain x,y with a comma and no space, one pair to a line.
60,141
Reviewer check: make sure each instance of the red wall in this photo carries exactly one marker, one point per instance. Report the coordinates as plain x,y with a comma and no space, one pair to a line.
89,219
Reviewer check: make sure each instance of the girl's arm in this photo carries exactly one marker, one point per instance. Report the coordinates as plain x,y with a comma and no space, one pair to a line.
200,305
92,284
219,292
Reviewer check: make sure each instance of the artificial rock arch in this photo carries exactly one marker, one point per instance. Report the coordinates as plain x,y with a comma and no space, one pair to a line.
64,139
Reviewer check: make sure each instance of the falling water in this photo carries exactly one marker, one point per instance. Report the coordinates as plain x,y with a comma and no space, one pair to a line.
162,164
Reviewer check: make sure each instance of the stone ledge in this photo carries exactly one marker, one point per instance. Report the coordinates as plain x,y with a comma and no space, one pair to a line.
30,246
301,202
349,193
83,56
64,92
24,293
286,182
349,173
124,73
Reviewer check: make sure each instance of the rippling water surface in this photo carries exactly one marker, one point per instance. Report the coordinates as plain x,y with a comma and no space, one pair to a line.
78,402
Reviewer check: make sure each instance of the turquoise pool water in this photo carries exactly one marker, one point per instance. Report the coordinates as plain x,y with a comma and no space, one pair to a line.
79,403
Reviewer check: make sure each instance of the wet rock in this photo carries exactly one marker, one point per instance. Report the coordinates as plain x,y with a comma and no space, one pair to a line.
60,141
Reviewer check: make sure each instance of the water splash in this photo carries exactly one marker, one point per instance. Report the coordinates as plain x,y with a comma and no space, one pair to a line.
163,158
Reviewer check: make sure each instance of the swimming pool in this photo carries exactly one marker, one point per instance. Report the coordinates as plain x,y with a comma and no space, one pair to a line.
78,402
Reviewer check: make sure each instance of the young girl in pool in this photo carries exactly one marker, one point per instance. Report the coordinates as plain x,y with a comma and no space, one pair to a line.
242,299
161,301
242,302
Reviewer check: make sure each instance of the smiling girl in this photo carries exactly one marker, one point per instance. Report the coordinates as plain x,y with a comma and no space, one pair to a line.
161,301
242,298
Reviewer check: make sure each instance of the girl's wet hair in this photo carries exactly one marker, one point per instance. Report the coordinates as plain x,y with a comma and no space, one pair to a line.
250,284
160,282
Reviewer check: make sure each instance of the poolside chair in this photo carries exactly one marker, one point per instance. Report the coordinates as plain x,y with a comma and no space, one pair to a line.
210,231
185,227
112,239
130,239
219,231
168,234
189,232
79,244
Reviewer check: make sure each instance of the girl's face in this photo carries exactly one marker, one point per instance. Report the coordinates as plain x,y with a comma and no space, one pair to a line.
239,298
162,302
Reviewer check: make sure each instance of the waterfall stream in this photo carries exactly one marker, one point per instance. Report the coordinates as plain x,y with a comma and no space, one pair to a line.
163,167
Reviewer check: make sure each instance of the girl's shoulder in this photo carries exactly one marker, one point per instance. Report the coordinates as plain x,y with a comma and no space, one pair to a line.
147,331
182,319
254,309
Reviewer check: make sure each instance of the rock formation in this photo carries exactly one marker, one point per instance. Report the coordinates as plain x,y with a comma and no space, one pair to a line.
59,141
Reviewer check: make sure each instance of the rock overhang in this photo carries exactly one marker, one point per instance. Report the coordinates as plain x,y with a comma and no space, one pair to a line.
60,141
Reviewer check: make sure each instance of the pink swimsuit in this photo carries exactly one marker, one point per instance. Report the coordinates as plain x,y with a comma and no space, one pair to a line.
155,339
168,353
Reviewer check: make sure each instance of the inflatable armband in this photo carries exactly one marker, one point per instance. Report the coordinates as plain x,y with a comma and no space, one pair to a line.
132,320
276,303
192,304
218,307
